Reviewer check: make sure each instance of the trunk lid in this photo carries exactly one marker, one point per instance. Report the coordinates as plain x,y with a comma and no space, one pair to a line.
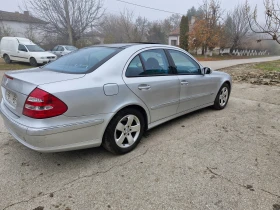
19,84
38,76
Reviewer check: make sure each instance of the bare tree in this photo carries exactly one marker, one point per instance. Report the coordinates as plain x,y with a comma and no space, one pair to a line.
156,33
237,27
135,29
271,26
34,34
123,27
70,18
5,31
174,21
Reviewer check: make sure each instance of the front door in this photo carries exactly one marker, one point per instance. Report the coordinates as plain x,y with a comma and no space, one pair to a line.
22,53
195,89
150,78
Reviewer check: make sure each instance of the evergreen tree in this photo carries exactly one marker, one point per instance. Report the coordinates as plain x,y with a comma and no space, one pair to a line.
184,33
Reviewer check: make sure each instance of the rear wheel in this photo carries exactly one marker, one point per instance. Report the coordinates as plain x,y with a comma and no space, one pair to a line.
33,62
7,59
124,132
222,97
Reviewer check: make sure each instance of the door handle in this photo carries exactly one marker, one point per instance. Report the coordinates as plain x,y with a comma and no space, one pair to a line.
144,87
184,82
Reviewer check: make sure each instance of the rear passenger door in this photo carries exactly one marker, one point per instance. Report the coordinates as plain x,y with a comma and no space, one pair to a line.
150,77
196,89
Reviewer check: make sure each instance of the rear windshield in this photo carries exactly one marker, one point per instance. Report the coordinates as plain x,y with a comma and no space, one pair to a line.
71,48
83,61
34,48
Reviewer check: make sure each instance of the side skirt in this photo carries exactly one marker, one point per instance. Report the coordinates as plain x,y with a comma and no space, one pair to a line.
154,124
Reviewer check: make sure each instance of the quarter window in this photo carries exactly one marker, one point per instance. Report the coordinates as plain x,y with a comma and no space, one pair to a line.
135,68
183,63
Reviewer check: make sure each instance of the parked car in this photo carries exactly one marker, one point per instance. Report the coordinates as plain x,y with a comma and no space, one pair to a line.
22,49
107,95
61,50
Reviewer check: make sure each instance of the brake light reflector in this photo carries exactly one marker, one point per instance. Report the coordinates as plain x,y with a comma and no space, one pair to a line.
9,77
41,104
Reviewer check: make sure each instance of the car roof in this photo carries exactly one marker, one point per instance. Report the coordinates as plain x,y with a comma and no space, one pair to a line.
65,45
126,45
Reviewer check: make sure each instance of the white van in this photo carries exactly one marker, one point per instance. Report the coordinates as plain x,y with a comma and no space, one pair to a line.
22,49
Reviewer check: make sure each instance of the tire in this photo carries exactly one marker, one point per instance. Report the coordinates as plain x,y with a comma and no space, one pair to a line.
222,97
124,131
7,59
33,62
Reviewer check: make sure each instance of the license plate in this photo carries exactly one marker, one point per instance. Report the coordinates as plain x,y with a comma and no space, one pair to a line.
11,98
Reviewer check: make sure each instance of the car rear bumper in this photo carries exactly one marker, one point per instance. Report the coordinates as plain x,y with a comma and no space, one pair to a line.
60,138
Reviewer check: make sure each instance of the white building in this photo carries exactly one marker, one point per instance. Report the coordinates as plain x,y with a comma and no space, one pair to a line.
174,38
20,24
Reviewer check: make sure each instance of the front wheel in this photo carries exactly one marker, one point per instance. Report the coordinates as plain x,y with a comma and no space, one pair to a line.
124,132
222,97
33,62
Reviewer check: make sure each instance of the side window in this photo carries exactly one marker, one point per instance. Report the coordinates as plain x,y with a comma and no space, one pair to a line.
135,68
22,48
55,49
60,48
184,64
155,62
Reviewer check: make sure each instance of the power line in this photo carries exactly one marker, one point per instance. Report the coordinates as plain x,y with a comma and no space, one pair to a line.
149,7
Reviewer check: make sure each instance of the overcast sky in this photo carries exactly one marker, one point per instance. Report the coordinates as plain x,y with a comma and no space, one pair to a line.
178,6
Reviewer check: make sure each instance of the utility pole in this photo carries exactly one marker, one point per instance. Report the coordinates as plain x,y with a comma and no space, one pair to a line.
66,9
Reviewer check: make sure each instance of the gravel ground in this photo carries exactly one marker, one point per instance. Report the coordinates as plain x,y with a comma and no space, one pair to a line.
209,159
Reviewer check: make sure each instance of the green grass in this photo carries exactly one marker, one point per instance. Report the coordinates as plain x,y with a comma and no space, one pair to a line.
13,65
269,66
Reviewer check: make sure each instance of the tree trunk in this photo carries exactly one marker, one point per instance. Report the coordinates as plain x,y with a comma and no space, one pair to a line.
69,28
202,50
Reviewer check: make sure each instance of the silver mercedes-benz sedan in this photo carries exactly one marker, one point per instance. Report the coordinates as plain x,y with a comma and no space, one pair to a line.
107,95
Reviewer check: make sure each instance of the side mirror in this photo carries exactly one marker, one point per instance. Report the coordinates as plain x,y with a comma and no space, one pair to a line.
206,70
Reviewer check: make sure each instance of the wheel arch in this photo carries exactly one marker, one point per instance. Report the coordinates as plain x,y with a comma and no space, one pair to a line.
137,107
6,54
133,106
229,84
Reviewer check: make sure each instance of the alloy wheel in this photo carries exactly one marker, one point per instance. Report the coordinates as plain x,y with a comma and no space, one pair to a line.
127,131
223,96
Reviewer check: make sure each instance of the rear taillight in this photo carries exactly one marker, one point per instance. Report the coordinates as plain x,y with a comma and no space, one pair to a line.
41,104
9,77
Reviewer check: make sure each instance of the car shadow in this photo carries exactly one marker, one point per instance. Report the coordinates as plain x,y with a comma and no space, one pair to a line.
96,157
